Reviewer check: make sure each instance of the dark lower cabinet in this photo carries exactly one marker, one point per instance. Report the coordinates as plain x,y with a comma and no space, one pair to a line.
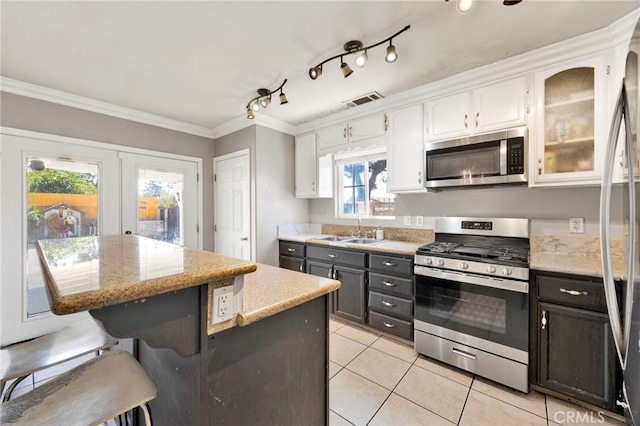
572,348
292,255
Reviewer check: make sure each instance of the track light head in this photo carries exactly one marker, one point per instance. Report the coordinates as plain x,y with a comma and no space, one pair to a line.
464,6
346,71
315,72
283,98
391,55
264,102
250,115
361,58
255,105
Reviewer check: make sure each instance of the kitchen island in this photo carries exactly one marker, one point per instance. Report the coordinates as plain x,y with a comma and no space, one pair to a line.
268,364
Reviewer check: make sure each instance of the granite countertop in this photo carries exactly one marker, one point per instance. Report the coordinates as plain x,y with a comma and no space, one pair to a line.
270,290
384,246
92,272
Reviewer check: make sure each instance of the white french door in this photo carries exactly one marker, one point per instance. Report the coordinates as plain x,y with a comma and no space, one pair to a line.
56,187
160,199
49,190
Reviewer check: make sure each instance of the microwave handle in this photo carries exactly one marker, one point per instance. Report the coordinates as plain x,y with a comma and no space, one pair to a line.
503,157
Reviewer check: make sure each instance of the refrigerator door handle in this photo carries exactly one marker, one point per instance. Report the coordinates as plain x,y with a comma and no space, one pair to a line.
605,237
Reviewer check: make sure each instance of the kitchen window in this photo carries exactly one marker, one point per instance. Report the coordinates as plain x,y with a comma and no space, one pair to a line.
362,184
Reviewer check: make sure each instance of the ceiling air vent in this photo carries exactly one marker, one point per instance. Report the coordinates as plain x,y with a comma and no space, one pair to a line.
364,99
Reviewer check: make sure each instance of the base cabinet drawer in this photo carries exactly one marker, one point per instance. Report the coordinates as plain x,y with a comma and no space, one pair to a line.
391,325
391,284
392,305
287,248
293,263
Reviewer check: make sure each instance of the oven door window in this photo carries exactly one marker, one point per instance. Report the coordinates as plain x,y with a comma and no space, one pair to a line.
496,315
464,162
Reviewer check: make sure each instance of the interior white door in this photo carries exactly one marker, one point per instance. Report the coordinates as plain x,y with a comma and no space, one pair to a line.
232,205
50,189
160,198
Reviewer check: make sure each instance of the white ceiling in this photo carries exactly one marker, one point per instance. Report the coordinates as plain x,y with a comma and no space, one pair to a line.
201,62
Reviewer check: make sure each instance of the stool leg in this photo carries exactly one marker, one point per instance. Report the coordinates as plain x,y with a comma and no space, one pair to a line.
147,414
11,387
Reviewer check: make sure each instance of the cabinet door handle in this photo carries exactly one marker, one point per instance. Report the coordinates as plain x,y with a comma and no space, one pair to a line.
389,304
386,123
335,274
420,177
388,264
388,324
477,119
333,256
350,132
291,250
301,267
313,187
330,274
389,283
466,121
574,292
344,133
539,166
543,321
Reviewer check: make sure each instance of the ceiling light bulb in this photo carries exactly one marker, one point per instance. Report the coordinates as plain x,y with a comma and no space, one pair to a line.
346,71
250,115
464,6
315,72
361,58
391,55
255,105
264,102
283,99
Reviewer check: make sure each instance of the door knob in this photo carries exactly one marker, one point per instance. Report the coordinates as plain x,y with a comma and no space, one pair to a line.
127,232
244,239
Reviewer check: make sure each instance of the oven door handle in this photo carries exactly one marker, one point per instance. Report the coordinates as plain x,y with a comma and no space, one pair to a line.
499,283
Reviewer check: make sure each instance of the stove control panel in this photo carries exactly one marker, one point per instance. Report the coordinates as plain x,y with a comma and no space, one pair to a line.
499,271
484,226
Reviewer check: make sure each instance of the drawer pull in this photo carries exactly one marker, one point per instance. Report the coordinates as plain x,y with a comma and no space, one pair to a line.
388,324
389,304
574,292
291,250
333,256
463,353
389,283
388,264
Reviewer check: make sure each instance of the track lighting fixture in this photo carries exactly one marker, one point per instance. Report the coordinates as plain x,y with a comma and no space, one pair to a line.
355,47
264,99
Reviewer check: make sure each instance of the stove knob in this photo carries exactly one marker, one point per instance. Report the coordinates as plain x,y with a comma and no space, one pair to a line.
440,262
464,265
491,269
428,261
506,271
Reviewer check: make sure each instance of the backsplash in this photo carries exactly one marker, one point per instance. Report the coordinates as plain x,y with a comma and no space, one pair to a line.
572,245
396,234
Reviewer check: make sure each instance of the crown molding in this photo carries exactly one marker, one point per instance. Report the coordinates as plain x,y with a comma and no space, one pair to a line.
242,122
34,91
622,29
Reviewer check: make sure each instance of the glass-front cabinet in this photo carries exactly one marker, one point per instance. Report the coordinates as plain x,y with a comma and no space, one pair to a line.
570,131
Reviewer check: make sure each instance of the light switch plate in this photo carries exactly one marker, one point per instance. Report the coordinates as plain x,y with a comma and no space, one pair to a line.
419,220
407,221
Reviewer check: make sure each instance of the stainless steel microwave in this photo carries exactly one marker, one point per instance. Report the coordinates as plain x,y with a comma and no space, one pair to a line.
491,159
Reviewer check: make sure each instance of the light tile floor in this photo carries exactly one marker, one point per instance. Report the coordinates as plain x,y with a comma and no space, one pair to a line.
379,381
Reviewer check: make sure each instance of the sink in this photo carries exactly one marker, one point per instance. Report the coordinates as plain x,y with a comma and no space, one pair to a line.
334,238
362,241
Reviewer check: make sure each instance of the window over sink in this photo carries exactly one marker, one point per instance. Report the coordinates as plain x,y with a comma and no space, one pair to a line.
362,184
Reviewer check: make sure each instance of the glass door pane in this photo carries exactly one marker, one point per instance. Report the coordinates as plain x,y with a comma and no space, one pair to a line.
160,204
62,202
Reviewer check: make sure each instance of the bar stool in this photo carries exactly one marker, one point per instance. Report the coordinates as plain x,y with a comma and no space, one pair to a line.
21,360
90,394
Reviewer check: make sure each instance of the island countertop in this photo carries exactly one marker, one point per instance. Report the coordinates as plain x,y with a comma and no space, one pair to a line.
92,272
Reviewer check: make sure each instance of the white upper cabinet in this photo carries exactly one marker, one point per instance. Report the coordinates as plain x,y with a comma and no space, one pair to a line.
355,131
570,137
405,150
492,107
314,176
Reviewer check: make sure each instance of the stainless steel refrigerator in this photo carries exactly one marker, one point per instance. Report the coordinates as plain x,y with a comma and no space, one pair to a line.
622,198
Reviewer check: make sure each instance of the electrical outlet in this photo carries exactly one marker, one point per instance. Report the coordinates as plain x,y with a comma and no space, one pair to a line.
419,220
407,221
222,304
576,225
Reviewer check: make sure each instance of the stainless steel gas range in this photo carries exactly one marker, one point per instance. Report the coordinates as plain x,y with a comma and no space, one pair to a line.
472,297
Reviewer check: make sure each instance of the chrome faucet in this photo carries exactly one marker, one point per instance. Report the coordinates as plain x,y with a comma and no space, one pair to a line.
359,227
